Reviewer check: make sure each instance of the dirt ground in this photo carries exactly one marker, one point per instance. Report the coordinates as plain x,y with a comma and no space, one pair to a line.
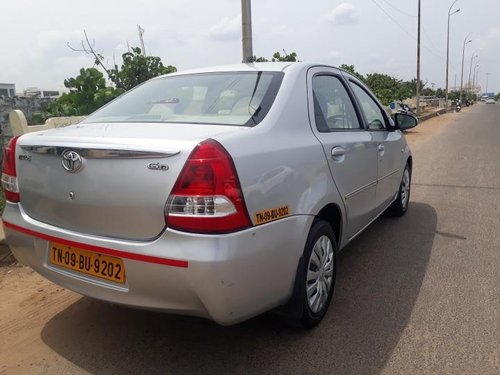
28,301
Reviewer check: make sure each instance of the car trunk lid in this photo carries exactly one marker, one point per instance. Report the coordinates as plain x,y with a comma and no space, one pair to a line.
108,180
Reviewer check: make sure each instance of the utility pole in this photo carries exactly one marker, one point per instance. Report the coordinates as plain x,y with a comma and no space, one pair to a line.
246,28
141,32
448,50
418,61
463,56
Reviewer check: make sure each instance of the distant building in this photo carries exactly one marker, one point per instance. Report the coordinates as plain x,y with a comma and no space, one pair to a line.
8,90
35,92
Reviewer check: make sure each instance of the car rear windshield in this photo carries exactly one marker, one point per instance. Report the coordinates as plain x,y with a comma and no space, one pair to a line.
233,98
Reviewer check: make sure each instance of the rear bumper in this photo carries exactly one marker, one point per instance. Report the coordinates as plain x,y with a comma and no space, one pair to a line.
226,278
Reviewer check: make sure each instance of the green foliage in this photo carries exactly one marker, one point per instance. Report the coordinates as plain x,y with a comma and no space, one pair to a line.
453,95
388,88
497,96
440,93
88,92
2,201
351,69
385,87
137,68
291,57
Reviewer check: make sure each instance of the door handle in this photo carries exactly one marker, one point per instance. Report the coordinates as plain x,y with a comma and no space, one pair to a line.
338,152
381,148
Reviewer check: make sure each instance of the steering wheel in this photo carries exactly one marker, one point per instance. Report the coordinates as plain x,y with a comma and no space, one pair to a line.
338,122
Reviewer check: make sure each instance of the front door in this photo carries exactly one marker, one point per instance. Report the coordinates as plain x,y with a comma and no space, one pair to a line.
390,147
348,147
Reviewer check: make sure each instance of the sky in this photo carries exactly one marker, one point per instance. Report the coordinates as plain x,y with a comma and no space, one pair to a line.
373,35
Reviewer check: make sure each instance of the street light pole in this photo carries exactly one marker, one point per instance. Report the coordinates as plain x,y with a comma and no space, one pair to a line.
418,62
246,28
448,50
463,56
470,69
474,81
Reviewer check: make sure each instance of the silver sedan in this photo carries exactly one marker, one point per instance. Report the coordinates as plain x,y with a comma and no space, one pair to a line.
221,193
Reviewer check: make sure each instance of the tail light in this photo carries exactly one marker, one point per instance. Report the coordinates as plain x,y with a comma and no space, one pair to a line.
9,175
207,197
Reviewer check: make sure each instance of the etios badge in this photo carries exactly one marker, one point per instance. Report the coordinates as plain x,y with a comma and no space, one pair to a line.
71,161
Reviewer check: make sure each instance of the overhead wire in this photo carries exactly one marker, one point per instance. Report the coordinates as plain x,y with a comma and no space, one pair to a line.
429,39
411,16
406,31
399,10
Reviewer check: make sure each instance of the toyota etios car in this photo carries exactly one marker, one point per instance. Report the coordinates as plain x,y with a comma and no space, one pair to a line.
220,193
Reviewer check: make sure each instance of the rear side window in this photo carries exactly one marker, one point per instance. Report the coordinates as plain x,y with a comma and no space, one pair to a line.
233,98
333,108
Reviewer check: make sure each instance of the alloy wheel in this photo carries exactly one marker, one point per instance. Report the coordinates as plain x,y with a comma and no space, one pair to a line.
320,273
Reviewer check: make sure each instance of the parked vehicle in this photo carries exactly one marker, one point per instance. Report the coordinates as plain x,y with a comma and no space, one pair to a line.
220,193
405,108
458,106
490,101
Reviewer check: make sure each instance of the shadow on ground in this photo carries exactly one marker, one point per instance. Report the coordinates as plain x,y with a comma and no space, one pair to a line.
379,279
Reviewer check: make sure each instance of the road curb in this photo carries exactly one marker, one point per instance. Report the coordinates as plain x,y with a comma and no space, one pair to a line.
432,115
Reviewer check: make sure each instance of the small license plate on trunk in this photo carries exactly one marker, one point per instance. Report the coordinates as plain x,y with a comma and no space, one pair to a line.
98,265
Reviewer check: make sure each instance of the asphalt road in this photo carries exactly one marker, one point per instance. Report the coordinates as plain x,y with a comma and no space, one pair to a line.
416,295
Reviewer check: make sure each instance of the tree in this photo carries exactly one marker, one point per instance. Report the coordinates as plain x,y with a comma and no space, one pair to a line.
292,57
440,93
385,87
351,69
428,92
137,68
88,92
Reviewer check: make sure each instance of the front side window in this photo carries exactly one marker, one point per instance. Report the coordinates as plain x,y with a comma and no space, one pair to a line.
233,98
373,113
333,108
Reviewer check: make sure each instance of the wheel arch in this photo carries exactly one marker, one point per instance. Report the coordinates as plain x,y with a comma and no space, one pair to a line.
410,162
332,215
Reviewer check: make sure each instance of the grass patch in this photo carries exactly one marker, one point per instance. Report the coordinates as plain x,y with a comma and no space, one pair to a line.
2,201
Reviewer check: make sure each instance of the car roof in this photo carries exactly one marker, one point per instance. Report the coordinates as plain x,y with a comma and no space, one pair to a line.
262,67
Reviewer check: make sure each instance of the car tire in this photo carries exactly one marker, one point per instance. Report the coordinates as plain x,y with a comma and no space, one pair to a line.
400,205
315,279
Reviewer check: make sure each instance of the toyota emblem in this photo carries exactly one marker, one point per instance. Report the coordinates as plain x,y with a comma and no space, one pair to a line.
71,161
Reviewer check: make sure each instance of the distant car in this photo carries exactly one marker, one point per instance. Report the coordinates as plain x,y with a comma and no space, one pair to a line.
490,101
220,193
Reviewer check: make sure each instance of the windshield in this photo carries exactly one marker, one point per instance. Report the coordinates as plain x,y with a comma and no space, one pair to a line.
234,98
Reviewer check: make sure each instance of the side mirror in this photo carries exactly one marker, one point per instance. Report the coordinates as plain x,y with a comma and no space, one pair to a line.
404,121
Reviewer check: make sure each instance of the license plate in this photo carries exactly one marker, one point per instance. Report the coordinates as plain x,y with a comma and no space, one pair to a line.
99,265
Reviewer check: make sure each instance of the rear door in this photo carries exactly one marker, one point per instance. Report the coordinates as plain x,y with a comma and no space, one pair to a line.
348,147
